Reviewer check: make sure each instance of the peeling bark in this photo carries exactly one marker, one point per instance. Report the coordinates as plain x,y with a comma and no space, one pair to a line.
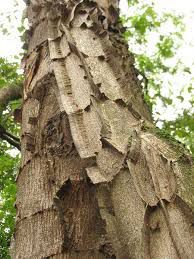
94,181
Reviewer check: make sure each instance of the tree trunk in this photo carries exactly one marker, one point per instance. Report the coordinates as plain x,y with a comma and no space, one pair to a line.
97,180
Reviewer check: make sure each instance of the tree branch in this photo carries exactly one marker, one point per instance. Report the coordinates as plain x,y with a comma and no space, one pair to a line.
8,94
12,136
12,140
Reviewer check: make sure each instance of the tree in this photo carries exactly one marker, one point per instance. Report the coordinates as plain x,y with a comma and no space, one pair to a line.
160,62
10,91
97,179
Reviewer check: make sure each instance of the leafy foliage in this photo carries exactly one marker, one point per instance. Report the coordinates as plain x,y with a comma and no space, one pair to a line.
9,76
161,35
183,129
9,73
8,169
9,159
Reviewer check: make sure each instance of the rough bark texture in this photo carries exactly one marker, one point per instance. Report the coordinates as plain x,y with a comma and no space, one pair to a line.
96,181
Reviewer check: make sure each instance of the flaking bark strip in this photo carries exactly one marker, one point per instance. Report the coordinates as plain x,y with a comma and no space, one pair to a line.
30,72
134,146
73,47
110,54
63,80
176,239
58,203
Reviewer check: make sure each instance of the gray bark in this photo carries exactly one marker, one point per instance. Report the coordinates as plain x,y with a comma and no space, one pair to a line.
96,181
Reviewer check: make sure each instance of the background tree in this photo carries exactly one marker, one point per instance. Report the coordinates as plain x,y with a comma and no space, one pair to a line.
160,64
10,100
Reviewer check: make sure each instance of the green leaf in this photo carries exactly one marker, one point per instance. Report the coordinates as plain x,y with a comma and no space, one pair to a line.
180,98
